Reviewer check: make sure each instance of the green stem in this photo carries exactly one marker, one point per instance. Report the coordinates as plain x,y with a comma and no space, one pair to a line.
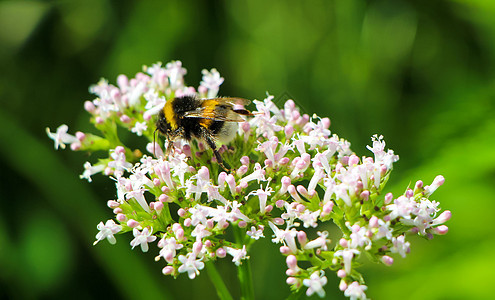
244,270
216,279
245,278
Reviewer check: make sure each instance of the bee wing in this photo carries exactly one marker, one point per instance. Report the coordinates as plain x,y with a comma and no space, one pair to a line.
210,114
233,100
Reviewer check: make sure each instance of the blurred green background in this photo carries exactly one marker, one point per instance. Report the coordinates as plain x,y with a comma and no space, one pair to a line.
420,72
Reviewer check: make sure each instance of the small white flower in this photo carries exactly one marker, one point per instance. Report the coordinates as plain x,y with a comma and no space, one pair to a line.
347,256
237,254
107,231
319,242
142,238
175,73
315,284
139,127
169,247
200,231
190,265
211,81
355,291
400,246
262,196
61,137
309,218
119,164
256,234
90,170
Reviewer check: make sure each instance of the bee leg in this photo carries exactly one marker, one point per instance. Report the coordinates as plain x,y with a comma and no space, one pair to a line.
171,137
170,146
211,143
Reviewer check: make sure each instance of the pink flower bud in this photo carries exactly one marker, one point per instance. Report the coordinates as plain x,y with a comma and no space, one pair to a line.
328,207
442,218
387,260
341,273
245,127
210,224
175,227
163,198
353,160
285,184
373,222
75,146
121,217
89,106
168,270
180,234
221,252
242,170
288,130
186,149
302,238
245,160
388,198
113,204
418,185
156,182
158,206
181,212
285,250
197,246
132,223
325,122
441,230
120,150
125,119
80,136
437,182
302,190
291,261
204,173
365,195
300,208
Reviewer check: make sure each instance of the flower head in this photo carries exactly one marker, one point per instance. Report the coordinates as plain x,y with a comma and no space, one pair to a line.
287,171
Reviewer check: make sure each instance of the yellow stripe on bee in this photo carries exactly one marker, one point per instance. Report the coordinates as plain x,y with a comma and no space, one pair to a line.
208,112
168,111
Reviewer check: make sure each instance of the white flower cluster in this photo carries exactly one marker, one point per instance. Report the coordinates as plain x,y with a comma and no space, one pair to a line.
290,174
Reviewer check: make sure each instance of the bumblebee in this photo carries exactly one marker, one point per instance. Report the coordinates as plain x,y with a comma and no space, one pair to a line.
206,120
